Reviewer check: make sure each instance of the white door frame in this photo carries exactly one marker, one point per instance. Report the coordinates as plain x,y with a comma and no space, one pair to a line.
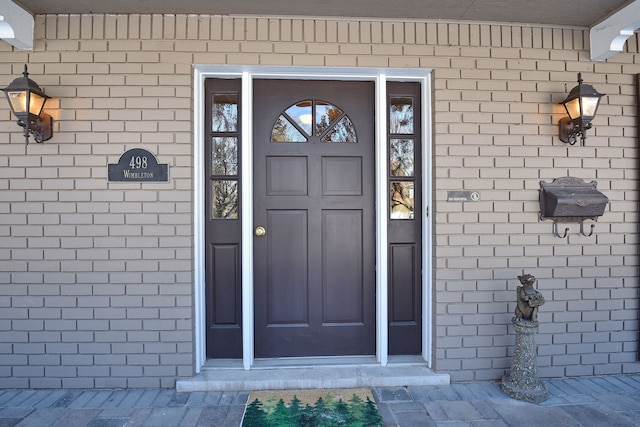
247,73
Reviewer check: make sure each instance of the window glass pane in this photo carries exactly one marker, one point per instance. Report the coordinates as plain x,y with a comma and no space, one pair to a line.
297,122
401,115
401,157
225,156
284,131
224,114
343,131
301,114
401,199
224,199
326,114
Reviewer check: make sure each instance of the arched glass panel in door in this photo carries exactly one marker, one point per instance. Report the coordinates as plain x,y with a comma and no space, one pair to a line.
309,118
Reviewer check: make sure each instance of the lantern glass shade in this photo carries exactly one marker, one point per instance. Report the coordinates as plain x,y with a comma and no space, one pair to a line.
583,108
19,100
590,106
573,108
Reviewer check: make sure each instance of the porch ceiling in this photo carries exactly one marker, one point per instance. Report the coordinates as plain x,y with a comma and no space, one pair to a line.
584,13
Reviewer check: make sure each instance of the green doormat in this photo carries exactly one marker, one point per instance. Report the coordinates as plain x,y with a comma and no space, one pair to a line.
312,408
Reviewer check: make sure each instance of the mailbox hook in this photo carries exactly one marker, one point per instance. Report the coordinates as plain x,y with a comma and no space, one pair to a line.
582,229
555,230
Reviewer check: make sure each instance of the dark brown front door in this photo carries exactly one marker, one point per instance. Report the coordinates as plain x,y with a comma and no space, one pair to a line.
314,266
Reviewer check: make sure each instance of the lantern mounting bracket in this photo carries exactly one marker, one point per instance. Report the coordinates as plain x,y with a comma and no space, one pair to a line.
569,131
41,129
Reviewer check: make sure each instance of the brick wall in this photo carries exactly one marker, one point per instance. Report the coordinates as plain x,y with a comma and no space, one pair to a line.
96,280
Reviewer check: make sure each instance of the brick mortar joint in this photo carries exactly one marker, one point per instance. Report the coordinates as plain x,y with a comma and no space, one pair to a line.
105,26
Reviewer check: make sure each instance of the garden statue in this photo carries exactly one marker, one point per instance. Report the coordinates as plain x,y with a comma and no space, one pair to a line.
523,382
528,299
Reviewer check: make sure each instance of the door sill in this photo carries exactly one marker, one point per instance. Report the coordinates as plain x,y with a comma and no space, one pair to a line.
312,373
298,362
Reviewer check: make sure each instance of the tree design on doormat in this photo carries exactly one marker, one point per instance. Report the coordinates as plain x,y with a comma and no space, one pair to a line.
326,412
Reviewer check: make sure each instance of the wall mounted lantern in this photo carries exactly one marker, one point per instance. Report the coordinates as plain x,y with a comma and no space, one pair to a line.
27,101
581,105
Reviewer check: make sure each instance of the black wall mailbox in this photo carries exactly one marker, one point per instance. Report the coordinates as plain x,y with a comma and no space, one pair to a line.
569,199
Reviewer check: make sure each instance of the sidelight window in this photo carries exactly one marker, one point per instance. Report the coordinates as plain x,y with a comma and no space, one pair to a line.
404,175
223,151
401,157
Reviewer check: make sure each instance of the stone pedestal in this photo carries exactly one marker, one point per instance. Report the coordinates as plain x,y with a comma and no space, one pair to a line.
523,382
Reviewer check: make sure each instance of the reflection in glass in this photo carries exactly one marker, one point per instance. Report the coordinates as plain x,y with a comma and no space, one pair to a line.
301,114
401,200
224,199
284,131
401,157
297,122
401,115
326,114
224,156
343,131
224,114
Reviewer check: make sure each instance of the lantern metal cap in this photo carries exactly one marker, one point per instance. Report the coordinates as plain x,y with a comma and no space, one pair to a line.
25,83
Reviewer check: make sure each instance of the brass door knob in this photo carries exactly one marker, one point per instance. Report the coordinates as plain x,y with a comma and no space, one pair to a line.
260,231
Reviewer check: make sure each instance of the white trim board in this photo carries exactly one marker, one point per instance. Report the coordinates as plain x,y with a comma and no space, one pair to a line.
247,73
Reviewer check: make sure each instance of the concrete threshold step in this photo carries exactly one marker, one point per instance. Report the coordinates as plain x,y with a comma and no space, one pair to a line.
311,376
